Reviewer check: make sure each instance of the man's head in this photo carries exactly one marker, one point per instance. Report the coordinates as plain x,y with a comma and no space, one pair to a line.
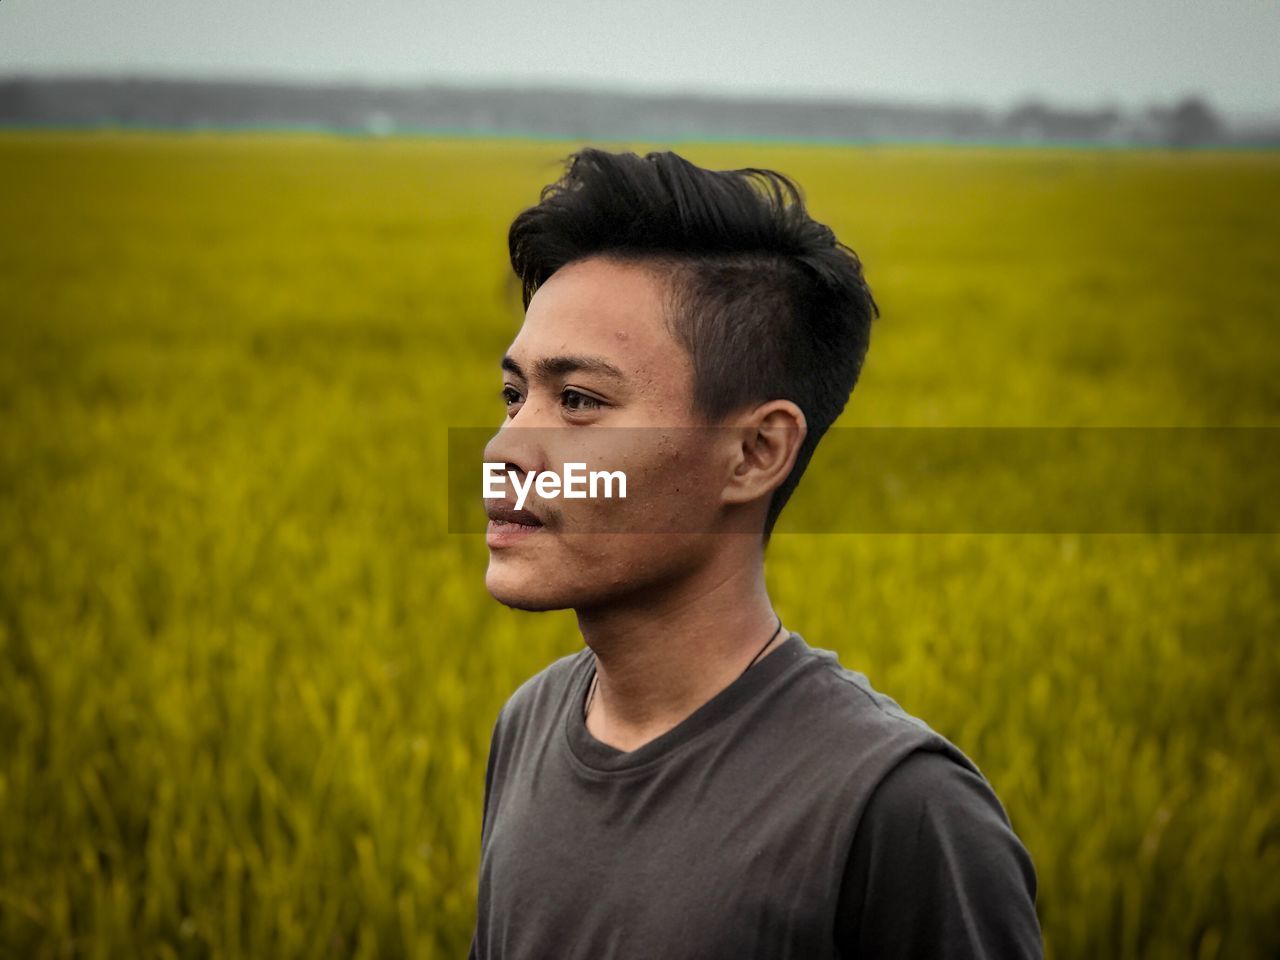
706,310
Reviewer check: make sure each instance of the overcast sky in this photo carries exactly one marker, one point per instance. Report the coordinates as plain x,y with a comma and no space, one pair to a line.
991,52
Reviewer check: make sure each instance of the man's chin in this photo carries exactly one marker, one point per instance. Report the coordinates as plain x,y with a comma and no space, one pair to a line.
524,592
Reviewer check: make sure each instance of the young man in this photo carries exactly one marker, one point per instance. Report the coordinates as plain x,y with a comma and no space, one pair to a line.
698,781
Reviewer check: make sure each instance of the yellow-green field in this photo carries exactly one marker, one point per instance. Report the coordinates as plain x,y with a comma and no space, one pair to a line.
247,680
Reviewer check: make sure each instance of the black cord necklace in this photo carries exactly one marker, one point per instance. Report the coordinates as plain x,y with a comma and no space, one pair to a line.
596,676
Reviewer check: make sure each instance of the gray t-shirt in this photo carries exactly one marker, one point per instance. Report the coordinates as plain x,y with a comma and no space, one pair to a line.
797,813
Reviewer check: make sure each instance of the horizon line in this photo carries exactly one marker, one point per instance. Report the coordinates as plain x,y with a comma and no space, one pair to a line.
622,89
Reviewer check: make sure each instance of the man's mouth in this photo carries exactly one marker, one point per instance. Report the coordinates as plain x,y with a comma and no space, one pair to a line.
508,525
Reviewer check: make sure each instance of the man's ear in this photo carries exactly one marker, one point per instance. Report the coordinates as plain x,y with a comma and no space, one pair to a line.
769,439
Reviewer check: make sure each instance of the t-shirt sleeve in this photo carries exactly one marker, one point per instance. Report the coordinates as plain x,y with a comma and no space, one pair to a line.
936,871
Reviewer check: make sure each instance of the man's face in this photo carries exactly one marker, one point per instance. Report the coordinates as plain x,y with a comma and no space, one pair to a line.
594,376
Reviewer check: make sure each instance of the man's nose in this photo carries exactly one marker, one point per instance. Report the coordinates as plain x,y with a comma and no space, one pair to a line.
517,448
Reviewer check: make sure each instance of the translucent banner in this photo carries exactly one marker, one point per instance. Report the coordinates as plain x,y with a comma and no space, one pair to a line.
881,480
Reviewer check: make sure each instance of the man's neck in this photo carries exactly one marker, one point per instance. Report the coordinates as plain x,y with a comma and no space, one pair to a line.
660,660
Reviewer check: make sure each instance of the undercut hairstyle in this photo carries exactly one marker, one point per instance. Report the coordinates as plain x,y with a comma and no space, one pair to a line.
765,299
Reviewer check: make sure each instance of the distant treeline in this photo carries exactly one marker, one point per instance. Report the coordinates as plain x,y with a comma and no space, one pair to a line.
584,113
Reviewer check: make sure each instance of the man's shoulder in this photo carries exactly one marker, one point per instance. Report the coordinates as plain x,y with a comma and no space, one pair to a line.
928,786
931,829
854,686
847,708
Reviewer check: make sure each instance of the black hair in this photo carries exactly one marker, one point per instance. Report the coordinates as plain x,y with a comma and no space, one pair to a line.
768,303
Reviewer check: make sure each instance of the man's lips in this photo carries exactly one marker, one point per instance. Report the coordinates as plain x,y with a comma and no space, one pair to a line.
509,526
501,512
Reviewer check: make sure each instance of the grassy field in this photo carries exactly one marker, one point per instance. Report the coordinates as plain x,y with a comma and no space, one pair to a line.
247,679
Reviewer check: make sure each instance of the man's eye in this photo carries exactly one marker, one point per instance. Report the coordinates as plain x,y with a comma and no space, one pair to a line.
510,395
575,401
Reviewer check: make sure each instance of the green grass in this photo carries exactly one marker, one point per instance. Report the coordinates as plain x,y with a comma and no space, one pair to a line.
247,680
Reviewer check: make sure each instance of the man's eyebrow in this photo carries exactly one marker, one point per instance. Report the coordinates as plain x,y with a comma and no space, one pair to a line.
548,368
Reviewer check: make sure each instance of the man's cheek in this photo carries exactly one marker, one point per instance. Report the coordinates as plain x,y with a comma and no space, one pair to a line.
678,501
